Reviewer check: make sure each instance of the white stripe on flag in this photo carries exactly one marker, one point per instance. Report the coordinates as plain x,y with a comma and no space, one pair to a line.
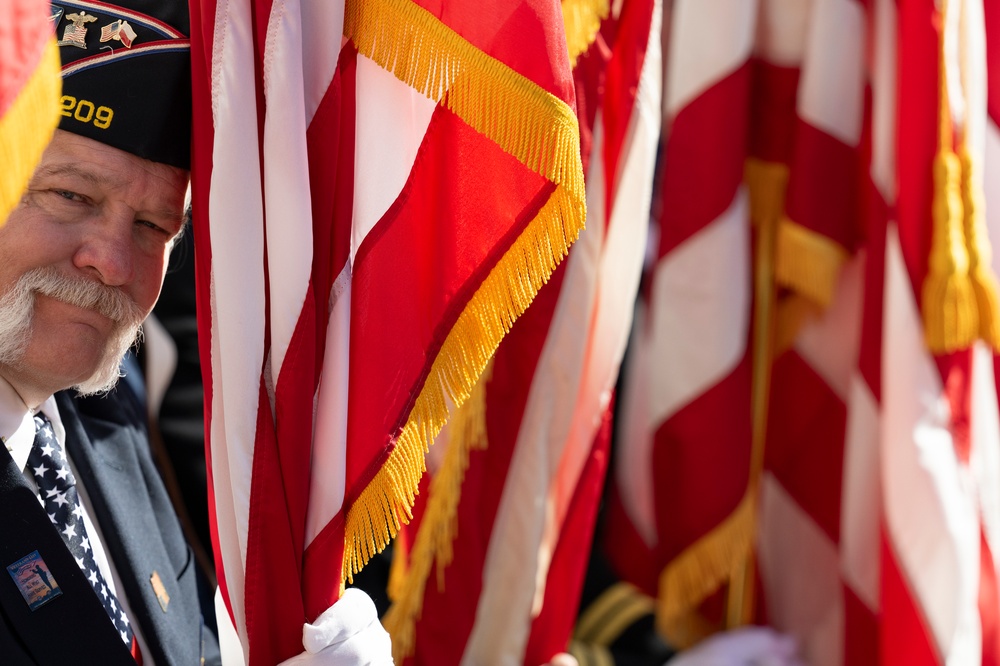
287,201
801,575
830,91
931,519
709,39
327,478
235,213
883,80
781,31
700,309
392,119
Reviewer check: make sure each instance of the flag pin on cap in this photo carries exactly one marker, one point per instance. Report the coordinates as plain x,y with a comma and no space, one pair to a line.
76,33
119,30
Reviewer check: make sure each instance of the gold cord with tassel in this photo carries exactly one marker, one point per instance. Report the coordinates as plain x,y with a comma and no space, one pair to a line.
949,301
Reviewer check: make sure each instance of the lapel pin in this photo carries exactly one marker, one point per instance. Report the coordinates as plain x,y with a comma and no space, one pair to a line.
160,591
34,580
55,14
75,34
119,30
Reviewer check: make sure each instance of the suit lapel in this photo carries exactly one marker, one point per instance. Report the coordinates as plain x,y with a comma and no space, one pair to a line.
108,446
70,625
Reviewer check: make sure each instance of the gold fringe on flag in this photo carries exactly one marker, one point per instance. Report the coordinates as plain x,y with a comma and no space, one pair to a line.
539,130
439,525
27,127
700,570
582,19
949,301
807,262
984,281
766,183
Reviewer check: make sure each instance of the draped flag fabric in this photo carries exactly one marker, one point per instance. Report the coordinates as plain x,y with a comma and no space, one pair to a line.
372,212
29,93
876,502
492,570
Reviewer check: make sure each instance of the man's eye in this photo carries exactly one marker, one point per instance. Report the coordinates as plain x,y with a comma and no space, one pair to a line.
67,195
154,227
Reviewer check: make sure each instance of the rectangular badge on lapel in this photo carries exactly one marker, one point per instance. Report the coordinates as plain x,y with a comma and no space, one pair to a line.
159,591
34,580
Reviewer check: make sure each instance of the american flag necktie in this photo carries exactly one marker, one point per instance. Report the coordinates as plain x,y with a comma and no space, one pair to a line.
57,492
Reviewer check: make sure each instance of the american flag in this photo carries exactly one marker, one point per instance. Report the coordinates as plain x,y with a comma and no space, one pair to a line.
400,225
876,523
500,571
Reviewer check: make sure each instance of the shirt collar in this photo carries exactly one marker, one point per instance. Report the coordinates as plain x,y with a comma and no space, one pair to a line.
17,425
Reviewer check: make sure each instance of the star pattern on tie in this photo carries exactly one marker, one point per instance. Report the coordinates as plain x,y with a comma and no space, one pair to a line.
57,494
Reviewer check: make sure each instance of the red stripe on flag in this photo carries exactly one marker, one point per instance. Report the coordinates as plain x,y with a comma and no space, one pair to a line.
823,185
704,159
861,632
694,450
805,440
906,638
416,270
989,604
772,111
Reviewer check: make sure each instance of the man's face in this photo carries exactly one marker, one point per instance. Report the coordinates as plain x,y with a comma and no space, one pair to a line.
83,258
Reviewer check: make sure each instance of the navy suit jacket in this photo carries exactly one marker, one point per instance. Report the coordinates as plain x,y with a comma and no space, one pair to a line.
107,441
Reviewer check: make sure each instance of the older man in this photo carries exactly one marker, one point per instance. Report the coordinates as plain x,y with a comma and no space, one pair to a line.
96,567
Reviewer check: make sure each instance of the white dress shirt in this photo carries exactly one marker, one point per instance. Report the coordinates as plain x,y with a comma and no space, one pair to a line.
17,428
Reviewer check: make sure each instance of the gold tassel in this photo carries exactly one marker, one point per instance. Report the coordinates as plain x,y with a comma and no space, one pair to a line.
582,19
984,281
439,525
536,128
949,302
766,184
27,127
700,570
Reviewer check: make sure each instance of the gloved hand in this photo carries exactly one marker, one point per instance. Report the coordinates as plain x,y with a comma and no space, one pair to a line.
348,633
747,646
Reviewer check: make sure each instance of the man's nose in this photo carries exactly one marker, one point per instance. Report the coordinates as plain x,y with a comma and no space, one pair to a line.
107,251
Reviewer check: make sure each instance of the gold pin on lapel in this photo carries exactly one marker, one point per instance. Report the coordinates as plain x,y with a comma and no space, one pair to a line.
75,34
160,591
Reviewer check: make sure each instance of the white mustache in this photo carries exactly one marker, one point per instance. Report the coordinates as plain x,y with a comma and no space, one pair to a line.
111,302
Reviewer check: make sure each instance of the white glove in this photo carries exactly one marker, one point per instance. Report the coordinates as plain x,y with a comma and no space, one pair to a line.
747,646
348,633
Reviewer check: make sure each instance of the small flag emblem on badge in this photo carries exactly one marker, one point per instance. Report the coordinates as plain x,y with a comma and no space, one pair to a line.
76,34
34,580
119,30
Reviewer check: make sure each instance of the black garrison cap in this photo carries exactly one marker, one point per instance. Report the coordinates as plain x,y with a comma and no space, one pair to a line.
126,71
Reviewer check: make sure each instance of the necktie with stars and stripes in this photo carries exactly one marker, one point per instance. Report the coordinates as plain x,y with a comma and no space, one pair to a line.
57,492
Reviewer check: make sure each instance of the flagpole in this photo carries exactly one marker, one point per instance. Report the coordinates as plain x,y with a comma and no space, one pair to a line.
766,182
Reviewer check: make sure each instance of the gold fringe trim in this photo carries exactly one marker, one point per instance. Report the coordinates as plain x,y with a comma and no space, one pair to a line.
807,262
701,569
526,121
984,281
27,127
539,130
766,182
439,524
582,19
